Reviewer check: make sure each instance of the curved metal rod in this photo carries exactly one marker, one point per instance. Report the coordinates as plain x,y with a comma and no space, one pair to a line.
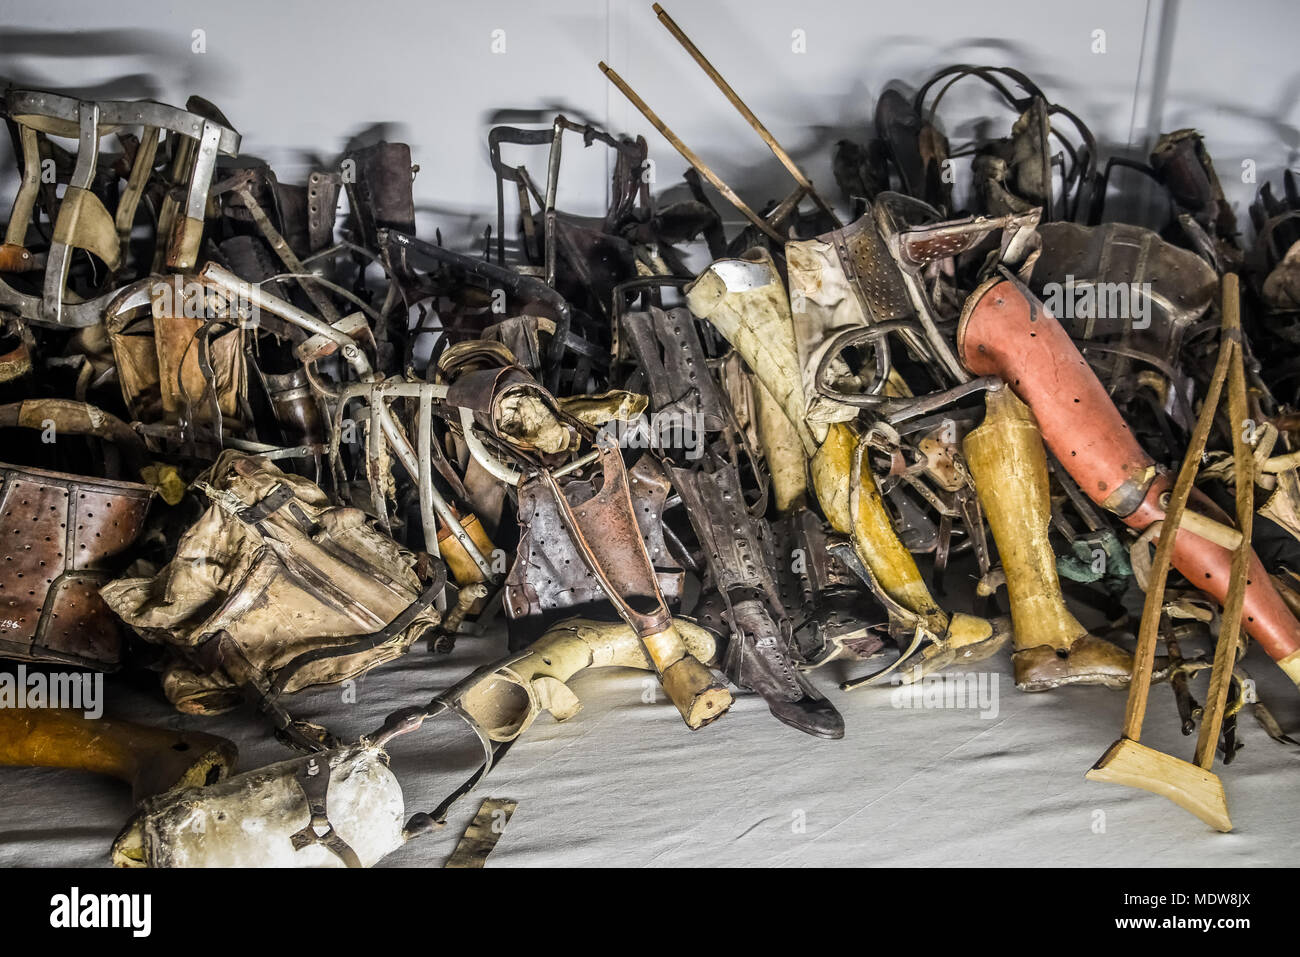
483,456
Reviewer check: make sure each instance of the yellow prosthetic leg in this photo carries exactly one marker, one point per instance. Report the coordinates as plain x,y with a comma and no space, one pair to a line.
746,302
1007,460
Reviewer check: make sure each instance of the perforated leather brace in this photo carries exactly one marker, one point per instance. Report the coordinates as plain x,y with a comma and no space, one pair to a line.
59,532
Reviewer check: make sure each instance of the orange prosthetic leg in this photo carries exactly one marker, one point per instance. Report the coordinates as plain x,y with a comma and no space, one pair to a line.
1005,331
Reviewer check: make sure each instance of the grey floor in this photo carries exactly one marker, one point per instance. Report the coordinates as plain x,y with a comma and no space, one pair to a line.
624,783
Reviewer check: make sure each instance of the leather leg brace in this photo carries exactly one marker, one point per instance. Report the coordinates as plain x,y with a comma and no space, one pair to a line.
744,300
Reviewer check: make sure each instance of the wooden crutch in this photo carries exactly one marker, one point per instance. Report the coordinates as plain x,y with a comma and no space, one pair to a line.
787,206
1192,785
805,184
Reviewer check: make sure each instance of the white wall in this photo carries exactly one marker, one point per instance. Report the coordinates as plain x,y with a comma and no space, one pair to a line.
300,79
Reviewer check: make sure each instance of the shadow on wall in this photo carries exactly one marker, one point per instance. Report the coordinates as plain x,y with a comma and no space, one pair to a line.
41,57
760,178
172,66
36,59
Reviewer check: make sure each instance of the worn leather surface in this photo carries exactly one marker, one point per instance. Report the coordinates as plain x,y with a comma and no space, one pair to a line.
840,284
278,588
60,533
549,578
1179,284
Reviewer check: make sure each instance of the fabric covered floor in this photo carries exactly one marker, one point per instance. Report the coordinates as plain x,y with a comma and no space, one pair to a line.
624,783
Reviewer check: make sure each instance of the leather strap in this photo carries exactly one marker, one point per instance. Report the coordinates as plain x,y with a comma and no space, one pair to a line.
483,833
264,508
315,783
366,642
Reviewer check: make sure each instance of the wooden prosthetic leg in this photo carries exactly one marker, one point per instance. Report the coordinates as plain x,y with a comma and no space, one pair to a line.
1007,460
151,760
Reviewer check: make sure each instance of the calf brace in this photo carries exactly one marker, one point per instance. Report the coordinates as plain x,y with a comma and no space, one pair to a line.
608,548
860,285
549,580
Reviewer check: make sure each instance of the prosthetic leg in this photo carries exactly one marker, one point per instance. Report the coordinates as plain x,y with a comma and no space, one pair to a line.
737,544
1006,332
746,302
151,760
1005,455
344,807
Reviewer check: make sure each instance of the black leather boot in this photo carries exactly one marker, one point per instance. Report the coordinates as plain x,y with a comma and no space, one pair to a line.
758,659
